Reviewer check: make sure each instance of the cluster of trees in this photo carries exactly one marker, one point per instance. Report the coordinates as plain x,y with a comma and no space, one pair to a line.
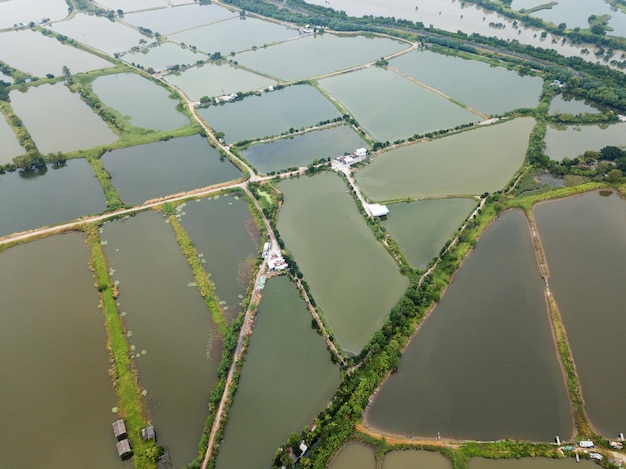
607,164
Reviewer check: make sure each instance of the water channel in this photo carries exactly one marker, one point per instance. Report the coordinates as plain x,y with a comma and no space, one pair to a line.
285,382
57,395
352,277
174,342
484,365
584,242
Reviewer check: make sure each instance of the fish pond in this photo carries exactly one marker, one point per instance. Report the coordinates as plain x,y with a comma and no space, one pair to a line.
16,50
171,20
302,149
391,107
421,228
100,33
484,364
55,131
352,277
235,35
24,11
144,103
570,141
272,113
145,172
316,55
48,196
471,162
584,242
174,342
217,80
489,89
227,239
563,104
415,459
354,455
285,382
56,389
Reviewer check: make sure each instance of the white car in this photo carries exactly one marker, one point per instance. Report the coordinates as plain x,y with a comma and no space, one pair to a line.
597,456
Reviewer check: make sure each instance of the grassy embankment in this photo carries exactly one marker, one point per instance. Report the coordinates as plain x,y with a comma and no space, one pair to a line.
204,283
123,370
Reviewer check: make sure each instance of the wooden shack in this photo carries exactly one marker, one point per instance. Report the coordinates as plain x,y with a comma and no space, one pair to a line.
123,449
148,433
119,430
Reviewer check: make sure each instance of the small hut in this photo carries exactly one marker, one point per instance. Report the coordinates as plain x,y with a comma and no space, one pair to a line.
148,433
119,430
123,449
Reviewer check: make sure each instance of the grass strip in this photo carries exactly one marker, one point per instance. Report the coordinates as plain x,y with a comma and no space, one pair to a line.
112,197
205,285
123,370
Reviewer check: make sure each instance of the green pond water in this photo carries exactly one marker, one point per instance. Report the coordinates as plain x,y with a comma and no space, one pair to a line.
412,459
235,35
573,140
318,54
144,172
269,114
10,147
54,362
354,455
164,56
352,277
16,50
217,80
584,242
48,196
484,365
145,103
529,463
390,106
570,105
100,33
472,162
301,150
488,89
170,20
422,228
15,12
286,380
174,341
226,236
55,131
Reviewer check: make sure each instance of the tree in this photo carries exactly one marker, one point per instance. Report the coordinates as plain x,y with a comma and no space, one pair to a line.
615,176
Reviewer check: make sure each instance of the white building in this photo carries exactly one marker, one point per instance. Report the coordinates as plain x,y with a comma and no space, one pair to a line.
377,210
360,152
